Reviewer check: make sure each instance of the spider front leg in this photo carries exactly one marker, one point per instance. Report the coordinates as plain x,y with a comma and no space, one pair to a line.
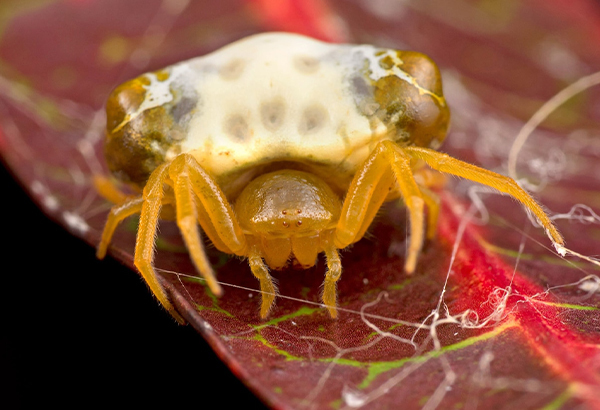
107,189
149,207
369,189
125,206
117,214
445,163
190,181
144,243
196,198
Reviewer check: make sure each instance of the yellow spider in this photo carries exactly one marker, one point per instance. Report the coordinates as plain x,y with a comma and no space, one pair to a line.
281,147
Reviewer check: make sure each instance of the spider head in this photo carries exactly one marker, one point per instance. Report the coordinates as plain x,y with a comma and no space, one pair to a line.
287,203
286,213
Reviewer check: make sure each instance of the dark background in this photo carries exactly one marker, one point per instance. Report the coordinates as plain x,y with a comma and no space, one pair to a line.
77,331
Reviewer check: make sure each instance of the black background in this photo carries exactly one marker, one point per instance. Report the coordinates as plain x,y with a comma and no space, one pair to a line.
78,332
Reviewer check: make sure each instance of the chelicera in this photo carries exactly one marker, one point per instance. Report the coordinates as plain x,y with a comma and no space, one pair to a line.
280,148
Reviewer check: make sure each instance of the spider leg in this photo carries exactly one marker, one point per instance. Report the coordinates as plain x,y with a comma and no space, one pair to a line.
144,244
187,217
116,215
107,189
387,155
334,272
433,205
217,207
380,194
121,211
209,228
445,163
400,163
428,178
261,272
363,199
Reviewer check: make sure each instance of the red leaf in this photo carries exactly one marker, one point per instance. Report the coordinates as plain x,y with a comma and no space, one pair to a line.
492,318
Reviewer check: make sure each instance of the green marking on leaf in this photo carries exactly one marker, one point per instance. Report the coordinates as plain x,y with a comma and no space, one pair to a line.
373,334
223,259
345,362
164,245
400,286
303,311
288,356
304,292
214,309
559,401
215,300
258,337
370,336
377,368
45,110
336,404
338,361
423,400
277,389
132,223
554,260
10,10
568,305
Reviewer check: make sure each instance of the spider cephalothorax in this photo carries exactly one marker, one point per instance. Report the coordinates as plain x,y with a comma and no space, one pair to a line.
281,147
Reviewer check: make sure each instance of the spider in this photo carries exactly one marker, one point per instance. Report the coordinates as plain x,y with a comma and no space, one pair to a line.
281,147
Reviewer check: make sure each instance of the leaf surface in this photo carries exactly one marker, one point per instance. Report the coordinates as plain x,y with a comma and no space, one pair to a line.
492,318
